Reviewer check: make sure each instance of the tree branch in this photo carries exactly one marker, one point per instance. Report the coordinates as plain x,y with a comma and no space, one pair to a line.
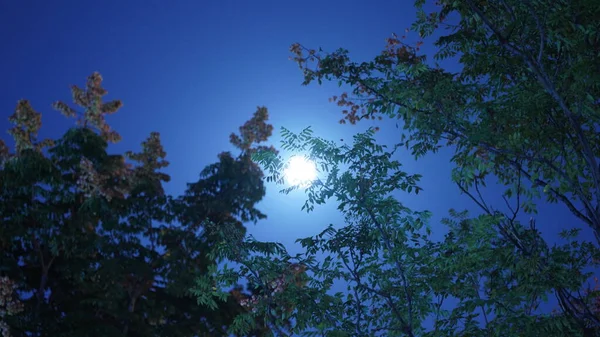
544,80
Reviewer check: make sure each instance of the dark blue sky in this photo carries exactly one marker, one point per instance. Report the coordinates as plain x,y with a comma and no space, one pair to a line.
196,70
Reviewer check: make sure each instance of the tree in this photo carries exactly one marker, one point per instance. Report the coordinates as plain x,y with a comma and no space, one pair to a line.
474,282
505,111
524,109
92,244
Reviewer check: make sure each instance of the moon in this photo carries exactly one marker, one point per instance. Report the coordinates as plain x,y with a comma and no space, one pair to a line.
300,171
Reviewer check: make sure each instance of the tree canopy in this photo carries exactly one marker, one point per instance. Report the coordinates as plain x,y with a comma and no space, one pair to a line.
90,243
523,110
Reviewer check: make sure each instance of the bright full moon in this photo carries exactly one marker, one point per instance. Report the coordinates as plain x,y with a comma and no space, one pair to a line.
300,171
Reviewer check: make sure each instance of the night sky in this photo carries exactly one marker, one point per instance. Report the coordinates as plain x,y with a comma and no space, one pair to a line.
196,70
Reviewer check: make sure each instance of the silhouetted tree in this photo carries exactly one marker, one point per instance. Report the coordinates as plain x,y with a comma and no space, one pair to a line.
93,244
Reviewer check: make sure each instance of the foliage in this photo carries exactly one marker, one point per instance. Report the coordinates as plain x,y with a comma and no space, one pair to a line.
92,243
525,101
9,305
524,110
402,282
